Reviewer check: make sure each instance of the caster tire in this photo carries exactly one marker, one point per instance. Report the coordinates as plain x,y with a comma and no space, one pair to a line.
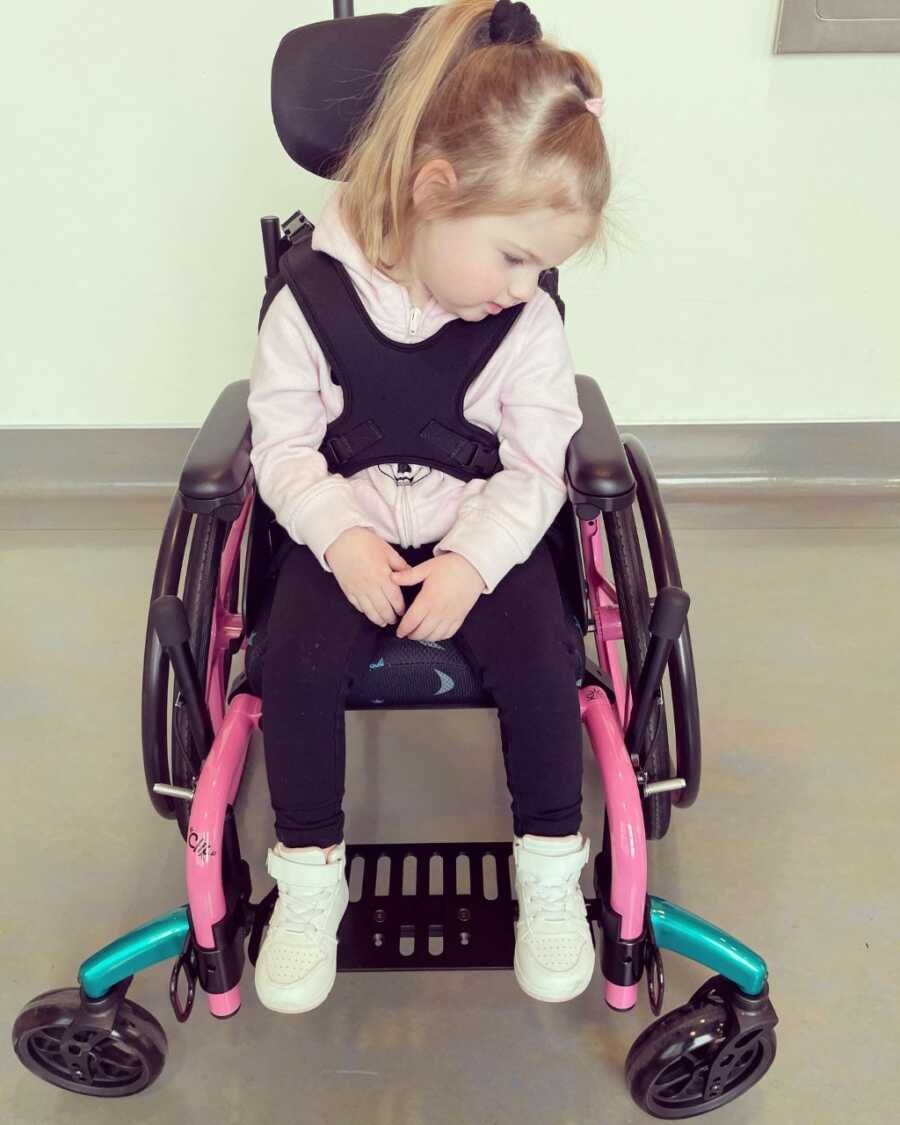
104,1064
669,1063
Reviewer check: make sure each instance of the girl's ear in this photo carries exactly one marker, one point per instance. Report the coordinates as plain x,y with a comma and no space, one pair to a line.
436,175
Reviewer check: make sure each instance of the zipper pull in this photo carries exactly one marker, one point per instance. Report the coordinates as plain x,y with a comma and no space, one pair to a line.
415,315
404,474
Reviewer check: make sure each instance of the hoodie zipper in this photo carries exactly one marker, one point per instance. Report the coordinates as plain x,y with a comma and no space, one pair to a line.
404,481
404,471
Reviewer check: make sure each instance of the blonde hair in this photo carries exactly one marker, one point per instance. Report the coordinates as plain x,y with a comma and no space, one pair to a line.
509,118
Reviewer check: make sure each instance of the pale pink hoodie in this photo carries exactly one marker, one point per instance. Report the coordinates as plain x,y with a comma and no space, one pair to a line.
525,394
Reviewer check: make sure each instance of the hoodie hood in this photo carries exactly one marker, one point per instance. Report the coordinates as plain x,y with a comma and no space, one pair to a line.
386,301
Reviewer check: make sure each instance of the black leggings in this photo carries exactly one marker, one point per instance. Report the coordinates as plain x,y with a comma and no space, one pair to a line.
516,635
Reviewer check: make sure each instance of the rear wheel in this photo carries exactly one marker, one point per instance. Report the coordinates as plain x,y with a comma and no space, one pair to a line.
660,550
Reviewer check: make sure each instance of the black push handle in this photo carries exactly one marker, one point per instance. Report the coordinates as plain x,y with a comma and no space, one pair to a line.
271,236
669,614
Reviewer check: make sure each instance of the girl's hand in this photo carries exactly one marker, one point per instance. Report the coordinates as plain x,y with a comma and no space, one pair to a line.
451,586
363,563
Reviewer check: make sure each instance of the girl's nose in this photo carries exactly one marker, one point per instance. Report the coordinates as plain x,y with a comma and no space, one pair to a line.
523,290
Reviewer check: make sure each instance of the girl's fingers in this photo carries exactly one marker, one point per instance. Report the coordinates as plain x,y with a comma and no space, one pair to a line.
424,631
412,619
396,560
395,596
370,611
382,603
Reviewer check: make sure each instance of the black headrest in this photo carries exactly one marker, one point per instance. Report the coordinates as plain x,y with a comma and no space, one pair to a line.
324,77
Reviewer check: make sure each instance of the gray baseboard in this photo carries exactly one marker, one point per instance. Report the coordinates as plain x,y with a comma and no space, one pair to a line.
780,474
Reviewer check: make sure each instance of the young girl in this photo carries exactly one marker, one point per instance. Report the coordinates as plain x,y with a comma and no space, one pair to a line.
480,164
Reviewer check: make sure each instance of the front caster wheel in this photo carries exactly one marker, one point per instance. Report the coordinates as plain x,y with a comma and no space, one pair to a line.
61,1037
701,1055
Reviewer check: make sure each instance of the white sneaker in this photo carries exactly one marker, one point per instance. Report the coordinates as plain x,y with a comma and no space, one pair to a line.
297,961
554,958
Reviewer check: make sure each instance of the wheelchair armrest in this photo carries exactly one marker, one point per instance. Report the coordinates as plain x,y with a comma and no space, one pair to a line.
598,475
217,474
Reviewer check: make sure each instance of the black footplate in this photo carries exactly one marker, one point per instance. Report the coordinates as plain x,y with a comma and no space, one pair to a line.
428,906
423,906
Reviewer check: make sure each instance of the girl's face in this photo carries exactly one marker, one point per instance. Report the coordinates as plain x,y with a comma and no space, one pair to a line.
471,266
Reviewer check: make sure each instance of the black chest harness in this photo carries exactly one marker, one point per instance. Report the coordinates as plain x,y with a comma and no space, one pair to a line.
402,402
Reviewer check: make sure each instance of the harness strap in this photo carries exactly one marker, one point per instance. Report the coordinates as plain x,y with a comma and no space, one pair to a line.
462,450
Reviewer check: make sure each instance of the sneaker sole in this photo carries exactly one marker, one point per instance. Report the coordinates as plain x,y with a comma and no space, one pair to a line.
288,1009
551,997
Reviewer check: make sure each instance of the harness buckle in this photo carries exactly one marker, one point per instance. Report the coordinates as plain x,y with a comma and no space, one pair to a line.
294,226
339,450
479,458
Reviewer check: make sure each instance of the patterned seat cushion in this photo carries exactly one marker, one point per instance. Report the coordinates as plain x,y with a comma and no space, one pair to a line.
404,672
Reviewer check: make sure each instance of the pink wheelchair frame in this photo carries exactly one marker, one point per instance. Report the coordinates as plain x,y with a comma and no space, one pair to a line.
219,780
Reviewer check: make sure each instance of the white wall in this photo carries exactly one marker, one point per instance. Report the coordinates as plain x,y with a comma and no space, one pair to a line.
757,211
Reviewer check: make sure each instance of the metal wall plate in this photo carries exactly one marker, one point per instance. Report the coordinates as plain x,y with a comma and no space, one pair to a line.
830,26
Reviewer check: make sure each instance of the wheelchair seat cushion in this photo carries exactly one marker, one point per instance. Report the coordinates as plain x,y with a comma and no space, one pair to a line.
404,672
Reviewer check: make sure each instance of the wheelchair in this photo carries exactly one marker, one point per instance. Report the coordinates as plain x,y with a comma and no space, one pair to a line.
91,1039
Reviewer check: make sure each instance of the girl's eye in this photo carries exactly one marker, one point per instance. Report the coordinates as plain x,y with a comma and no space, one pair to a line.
514,261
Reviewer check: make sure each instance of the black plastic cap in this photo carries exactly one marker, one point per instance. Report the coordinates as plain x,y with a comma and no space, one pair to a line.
170,620
669,612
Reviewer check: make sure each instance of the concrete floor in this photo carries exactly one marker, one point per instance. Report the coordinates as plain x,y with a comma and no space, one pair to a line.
790,847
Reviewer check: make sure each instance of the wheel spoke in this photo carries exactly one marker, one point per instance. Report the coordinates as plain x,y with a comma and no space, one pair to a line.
673,1087
684,1086
44,1042
674,1078
115,1072
697,1084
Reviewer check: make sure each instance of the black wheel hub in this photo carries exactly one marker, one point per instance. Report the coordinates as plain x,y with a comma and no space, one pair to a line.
88,1056
706,1073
